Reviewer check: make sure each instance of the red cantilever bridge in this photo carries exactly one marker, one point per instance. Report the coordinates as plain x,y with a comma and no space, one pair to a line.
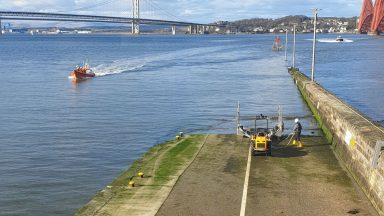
372,17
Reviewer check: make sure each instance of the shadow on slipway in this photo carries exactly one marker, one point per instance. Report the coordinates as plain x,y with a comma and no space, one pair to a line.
281,149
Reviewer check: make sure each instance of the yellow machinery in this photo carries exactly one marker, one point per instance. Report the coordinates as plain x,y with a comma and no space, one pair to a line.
261,139
261,142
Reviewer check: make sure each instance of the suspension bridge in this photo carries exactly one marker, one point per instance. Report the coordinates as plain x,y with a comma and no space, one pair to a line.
135,20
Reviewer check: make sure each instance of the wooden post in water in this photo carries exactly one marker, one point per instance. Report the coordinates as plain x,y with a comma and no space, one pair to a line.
286,43
238,118
294,46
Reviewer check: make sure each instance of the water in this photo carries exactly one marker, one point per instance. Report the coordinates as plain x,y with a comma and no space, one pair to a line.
351,70
62,141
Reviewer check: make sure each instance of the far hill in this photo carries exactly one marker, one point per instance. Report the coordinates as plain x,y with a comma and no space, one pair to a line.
304,24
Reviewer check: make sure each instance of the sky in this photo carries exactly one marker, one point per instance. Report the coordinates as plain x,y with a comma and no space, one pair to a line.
203,11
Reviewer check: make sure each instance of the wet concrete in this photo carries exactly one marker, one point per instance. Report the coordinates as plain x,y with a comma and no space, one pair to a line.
307,181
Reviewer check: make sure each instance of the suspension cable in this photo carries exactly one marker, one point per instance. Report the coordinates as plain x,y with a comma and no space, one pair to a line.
91,6
165,12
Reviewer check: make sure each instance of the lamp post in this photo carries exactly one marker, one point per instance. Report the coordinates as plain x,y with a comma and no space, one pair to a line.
314,43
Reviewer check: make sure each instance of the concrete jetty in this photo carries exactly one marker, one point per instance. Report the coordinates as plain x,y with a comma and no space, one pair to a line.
357,141
338,172
307,181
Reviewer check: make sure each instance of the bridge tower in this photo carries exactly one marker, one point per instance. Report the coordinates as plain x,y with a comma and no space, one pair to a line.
378,15
366,15
135,17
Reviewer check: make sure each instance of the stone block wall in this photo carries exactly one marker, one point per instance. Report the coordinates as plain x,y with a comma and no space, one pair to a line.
353,137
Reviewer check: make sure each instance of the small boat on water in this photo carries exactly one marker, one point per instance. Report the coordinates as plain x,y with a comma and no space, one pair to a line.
277,44
339,39
83,72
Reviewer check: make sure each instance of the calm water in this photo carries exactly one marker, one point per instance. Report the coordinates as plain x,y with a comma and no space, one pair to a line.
61,141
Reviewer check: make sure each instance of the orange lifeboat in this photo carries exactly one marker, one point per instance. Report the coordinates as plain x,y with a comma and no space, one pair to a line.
82,72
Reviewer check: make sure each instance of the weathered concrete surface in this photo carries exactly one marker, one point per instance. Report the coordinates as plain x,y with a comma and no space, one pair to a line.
213,184
162,165
352,134
293,181
308,181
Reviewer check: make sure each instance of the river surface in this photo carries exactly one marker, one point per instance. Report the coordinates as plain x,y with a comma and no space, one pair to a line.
62,141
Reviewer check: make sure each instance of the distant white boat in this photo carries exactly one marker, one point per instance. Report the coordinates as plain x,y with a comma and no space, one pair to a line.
339,39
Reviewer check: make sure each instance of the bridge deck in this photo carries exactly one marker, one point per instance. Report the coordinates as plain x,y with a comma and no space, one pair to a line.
18,15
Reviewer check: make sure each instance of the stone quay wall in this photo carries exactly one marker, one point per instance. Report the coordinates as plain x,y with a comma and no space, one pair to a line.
356,140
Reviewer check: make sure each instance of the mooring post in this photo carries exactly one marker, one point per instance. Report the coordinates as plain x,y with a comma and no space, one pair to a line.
238,118
173,30
294,46
1,28
286,43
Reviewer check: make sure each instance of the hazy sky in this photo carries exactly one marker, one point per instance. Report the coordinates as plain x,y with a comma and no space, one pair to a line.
191,10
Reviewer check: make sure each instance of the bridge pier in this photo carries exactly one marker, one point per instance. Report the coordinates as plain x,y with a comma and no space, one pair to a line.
135,17
173,30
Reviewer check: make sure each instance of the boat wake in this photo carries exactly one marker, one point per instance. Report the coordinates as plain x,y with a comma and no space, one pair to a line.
329,40
184,58
117,67
149,62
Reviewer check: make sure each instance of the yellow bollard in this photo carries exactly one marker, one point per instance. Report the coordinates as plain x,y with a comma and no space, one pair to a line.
131,183
177,137
141,174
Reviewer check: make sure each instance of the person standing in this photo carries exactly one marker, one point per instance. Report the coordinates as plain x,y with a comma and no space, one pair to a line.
297,133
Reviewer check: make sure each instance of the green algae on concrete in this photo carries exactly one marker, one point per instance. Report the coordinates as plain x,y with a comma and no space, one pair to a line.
352,134
161,166
328,134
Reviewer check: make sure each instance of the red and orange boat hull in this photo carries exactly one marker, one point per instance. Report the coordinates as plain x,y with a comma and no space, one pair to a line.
82,74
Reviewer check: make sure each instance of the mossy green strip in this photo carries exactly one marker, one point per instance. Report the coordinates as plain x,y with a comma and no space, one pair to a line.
175,158
159,164
301,77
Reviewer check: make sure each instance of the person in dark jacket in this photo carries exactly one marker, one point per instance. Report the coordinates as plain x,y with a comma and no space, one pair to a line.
297,133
